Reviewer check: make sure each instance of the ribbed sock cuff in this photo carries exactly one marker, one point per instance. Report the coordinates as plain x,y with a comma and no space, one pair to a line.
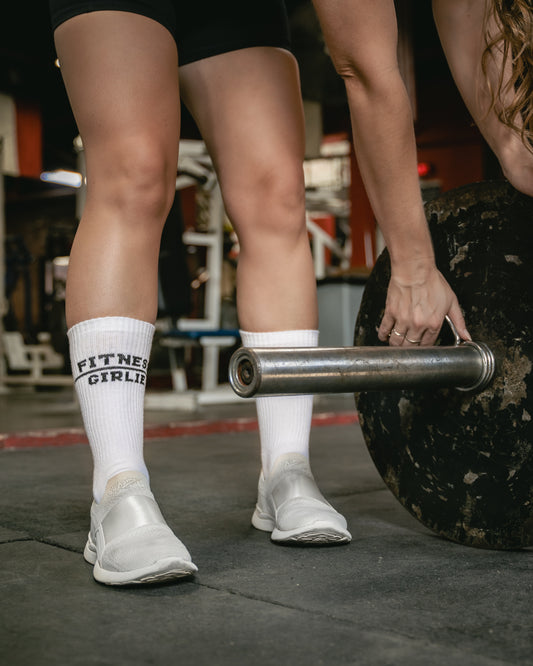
110,325
293,338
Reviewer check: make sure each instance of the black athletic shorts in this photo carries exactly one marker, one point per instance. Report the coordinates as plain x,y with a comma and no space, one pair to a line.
201,28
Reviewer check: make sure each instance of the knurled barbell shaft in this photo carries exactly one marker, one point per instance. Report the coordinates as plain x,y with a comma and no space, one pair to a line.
288,371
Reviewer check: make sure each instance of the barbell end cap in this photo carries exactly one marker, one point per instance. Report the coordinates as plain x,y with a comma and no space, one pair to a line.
488,366
244,377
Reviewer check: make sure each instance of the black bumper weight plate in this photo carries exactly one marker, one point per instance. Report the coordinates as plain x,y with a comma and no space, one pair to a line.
462,463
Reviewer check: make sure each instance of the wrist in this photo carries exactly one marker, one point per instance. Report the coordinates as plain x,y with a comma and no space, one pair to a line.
413,269
409,242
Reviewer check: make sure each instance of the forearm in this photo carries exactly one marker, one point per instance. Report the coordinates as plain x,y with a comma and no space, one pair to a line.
384,141
362,39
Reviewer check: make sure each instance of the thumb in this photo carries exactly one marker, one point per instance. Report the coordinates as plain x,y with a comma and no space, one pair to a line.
458,320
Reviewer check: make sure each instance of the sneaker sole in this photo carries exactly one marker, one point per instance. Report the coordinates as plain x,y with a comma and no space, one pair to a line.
262,521
315,535
320,533
171,568
160,572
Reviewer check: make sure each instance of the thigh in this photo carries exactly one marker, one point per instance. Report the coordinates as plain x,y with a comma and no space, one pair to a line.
248,107
121,74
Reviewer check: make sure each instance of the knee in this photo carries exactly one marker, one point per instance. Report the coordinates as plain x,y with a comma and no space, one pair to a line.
285,193
135,179
272,204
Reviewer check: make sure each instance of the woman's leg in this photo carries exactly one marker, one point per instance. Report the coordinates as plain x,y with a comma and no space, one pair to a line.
120,70
248,107
362,39
121,74
461,27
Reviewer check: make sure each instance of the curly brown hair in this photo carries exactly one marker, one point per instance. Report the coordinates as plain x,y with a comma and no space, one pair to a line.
513,42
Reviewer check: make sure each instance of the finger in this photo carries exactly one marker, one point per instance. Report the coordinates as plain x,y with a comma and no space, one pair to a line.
397,336
386,326
458,320
413,339
429,337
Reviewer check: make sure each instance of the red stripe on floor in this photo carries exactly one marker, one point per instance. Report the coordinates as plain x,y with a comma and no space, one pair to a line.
70,436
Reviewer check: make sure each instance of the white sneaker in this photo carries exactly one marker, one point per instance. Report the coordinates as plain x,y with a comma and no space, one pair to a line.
129,541
292,508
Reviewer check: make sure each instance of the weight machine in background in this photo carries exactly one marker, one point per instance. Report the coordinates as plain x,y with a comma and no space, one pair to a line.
204,331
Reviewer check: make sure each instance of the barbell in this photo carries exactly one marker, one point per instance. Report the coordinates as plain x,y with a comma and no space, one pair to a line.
468,366
450,427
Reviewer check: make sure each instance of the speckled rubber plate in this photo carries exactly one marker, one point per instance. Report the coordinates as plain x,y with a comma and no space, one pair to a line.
462,463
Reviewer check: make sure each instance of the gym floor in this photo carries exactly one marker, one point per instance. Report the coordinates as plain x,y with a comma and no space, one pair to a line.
396,595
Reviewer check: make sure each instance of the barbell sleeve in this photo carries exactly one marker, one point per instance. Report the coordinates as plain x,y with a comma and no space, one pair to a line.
289,371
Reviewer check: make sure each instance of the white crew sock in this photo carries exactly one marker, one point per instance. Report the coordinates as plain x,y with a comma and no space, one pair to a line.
284,421
109,358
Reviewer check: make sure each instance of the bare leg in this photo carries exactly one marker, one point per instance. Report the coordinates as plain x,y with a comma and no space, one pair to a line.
248,108
124,95
460,24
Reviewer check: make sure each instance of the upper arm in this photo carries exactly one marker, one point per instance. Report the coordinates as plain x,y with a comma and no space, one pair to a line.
361,36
